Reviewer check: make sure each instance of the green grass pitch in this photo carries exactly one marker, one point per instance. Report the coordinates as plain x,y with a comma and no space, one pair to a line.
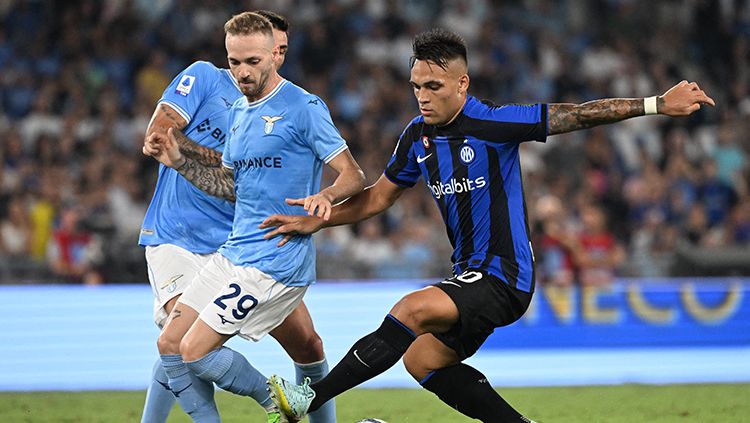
624,403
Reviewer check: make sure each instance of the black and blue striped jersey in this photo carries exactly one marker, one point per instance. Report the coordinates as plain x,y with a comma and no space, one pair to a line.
472,168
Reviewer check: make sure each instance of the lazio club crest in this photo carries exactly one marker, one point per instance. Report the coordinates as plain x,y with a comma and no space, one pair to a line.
270,120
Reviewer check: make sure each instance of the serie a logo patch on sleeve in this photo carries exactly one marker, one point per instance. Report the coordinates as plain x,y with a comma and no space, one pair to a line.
185,85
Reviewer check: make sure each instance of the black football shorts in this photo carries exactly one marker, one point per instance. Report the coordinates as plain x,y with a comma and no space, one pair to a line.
484,303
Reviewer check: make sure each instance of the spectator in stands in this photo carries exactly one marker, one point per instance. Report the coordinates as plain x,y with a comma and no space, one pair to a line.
717,195
73,251
696,226
556,243
15,230
597,254
738,228
42,213
730,159
370,248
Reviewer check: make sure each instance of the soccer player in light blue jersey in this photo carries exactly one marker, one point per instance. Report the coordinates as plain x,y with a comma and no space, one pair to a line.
183,225
279,138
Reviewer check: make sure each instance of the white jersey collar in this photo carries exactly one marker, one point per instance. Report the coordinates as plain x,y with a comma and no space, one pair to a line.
234,81
268,96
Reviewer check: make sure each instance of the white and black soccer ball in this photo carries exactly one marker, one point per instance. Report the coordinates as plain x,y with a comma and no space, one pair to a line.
372,421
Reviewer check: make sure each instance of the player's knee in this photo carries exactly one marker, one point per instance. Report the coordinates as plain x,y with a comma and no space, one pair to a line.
167,344
414,365
189,349
413,312
315,347
309,349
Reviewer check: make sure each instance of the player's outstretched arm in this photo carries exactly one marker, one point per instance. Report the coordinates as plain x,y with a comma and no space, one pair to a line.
216,181
166,117
350,181
680,100
365,204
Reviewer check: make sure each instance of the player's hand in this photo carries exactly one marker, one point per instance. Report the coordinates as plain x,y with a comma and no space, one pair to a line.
316,205
151,146
165,149
684,99
289,226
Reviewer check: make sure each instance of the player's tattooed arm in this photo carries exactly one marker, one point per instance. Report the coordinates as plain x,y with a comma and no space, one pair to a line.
204,155
216,181
564,117
681,100
165,117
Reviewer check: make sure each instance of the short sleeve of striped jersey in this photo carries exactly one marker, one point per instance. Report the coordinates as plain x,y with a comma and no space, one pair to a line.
189,88
509,123
403,169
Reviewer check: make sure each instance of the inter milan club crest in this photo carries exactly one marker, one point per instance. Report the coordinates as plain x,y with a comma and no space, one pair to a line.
466,154
270,120
425,141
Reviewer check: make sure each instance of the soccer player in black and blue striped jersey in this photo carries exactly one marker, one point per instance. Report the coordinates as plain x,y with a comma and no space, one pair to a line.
467,151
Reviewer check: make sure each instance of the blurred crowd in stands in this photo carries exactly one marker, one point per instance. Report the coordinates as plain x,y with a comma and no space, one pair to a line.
647,197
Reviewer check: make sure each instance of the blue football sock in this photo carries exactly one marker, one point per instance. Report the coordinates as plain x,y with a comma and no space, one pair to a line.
232,372
316,371
159,398
195,395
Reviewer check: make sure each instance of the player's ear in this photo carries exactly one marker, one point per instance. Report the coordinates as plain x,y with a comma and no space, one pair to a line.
463,84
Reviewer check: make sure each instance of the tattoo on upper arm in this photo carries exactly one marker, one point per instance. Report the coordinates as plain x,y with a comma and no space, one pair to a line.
188,147
216,181
172,116
563,117
204,155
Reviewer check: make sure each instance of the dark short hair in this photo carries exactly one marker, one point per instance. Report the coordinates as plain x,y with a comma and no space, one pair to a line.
247,23
277,21
439,46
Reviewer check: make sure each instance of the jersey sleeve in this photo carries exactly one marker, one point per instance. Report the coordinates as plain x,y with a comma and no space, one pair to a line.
402,168
512,122
318,131
189,88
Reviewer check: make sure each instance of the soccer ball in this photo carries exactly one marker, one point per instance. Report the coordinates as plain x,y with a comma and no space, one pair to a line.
372,421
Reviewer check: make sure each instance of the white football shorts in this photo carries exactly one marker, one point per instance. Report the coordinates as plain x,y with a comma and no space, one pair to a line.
170,271
240,300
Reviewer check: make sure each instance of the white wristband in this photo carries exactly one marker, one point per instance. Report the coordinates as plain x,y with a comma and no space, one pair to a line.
649,105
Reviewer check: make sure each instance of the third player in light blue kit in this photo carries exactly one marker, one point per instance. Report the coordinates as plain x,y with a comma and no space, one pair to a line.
279,136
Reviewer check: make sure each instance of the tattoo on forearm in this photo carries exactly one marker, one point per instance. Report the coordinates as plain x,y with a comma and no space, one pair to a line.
204,155
563,117
216,181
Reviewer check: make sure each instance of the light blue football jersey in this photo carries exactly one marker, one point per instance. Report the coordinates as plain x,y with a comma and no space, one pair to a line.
277,147
180,213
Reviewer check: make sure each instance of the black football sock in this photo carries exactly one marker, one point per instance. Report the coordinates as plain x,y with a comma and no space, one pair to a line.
467,390
369,357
